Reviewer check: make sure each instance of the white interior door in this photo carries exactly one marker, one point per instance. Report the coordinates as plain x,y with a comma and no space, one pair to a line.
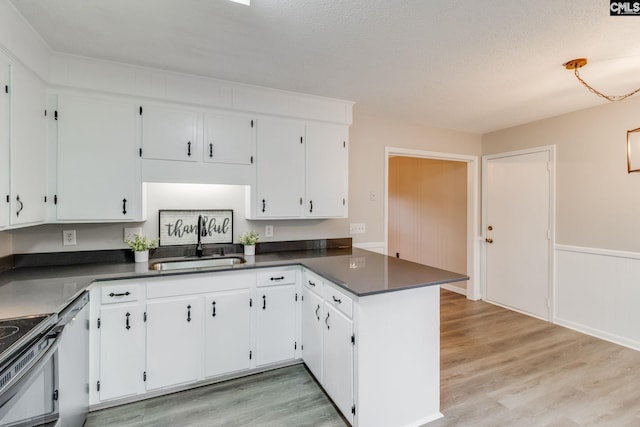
518,231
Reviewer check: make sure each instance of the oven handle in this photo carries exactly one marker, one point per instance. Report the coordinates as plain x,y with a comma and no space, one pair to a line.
38,363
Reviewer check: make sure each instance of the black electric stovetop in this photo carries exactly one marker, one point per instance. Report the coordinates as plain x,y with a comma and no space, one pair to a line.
11,330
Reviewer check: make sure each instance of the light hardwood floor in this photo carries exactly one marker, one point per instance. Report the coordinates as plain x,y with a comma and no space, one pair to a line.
498,368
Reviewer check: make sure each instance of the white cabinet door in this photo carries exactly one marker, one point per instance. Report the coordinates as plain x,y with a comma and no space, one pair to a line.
229,139
169,133
28,148
122,351
175,341
275,324
227,332
312,315
338,359
327,161
5,128
97,168
280,169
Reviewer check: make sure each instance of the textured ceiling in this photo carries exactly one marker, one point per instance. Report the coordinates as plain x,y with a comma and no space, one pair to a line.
468,65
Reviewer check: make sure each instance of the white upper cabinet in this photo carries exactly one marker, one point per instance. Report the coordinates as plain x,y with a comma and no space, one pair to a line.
169,133
229,138
327,165
97,160
5,118
302,170
280,169
28,148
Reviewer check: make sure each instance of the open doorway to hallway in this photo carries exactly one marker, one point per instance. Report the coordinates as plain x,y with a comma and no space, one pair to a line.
428,212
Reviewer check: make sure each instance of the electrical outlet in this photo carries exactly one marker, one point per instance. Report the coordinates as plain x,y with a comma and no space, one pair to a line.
130,232
357,228
268,231
373,196
69,237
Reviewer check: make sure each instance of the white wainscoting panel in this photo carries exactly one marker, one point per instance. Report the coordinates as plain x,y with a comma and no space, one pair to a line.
598,293
371,246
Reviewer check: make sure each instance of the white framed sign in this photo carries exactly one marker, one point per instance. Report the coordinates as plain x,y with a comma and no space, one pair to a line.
180,227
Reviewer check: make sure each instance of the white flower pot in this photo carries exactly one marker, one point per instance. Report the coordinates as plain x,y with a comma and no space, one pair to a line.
141,256
249,250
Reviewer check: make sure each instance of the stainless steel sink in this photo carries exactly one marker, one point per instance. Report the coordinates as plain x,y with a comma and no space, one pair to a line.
198,263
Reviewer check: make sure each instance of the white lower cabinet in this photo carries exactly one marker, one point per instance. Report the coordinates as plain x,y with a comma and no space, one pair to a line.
275,324
121,361
227,332
311,319
337,355
175,345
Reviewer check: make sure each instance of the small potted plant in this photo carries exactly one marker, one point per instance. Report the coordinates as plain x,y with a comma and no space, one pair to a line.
249,240
140,246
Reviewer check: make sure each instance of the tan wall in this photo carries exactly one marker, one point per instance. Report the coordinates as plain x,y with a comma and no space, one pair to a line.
428,212
5,244
369,136
597,201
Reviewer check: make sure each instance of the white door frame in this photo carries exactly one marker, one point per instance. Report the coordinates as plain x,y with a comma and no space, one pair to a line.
551,149
473,242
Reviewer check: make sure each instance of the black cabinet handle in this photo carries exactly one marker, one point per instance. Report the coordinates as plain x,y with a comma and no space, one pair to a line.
127,321
318,309
311,283
121,294
210,150
189,313
310,206
189,148
264,205
214,309
124,206
264,302
326,321
21,205
336,299
277,278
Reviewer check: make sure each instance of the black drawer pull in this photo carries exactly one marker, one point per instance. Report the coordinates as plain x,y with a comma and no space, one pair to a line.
122,294
189,148
336,299
127,322
264,302
189,313
326,321
214,309
311,283
277,278
317,309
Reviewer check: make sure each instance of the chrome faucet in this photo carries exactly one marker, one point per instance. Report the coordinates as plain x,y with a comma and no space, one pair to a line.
199,245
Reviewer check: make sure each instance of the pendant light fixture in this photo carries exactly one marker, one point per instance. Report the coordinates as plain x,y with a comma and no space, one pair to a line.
576,64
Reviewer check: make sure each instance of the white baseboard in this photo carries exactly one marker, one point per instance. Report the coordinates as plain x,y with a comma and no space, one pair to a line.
454,288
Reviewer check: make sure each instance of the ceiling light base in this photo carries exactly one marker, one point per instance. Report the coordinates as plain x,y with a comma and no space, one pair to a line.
574,64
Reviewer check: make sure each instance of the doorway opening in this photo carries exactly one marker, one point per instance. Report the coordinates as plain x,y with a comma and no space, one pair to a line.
431,212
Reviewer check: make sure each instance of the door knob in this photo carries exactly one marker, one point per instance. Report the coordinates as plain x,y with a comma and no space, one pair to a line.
488,240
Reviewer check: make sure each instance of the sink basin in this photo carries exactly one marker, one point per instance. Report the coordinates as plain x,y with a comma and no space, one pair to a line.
198,262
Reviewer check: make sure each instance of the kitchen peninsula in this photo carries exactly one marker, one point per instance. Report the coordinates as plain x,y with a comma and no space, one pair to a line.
366,325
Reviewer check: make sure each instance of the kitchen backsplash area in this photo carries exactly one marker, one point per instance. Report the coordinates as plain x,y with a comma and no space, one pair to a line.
162,196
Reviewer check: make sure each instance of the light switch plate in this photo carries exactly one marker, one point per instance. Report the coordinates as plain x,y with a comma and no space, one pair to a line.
357,228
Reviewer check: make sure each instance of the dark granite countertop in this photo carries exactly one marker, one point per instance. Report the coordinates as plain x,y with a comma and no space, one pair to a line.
39,290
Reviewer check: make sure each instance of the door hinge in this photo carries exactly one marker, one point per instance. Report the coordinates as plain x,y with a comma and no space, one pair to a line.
353,410
55,115
6,88
144,316
56,395
300,140
296,297
353,339
301,347
295,345
45,199
140,152
8,199
301,297
397,254
144,376
251,159
99,323
55,199
250,355
250,302
141,110
251,123
45,112
344,144
344,201
98,385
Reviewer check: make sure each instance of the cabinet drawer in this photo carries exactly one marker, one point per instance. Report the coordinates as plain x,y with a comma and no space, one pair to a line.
276,277
111,294
338,299
313,282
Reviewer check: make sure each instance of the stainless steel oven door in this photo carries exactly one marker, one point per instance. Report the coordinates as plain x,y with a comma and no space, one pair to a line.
29,384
